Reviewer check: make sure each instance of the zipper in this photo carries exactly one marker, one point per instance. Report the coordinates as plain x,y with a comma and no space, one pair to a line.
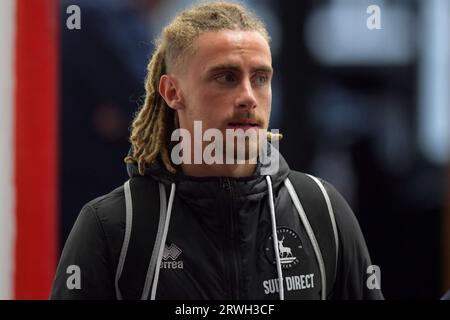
234,256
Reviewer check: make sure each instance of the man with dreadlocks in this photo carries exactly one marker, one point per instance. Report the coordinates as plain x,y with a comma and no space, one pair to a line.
226,231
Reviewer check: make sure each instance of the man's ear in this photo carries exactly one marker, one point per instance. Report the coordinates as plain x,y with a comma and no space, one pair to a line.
171,92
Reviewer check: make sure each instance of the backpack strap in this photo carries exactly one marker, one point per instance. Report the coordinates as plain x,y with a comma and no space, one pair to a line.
144,217
316,205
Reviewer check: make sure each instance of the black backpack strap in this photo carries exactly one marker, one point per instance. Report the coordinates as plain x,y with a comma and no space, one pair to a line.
136,266
317,207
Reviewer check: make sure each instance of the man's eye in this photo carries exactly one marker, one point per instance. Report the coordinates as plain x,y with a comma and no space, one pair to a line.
261,79
226,78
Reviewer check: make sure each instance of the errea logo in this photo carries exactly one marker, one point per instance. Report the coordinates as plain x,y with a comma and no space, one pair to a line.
170,257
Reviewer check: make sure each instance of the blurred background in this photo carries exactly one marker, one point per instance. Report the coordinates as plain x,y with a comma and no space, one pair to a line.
362,103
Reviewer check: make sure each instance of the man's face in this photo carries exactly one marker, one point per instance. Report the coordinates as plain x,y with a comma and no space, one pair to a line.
226,82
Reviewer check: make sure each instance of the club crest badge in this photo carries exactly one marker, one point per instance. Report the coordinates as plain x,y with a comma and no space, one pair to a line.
289,247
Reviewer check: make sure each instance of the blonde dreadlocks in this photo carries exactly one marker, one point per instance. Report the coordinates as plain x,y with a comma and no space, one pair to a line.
155,121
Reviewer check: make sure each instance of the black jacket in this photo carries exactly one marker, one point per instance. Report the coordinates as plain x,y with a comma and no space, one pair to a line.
219,244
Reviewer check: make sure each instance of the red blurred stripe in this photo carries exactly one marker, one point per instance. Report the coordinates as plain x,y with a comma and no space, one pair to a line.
36,132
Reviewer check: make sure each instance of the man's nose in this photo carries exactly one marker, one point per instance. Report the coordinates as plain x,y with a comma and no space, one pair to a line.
246,97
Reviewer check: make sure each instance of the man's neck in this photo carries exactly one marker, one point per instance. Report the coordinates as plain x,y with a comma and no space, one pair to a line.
218,170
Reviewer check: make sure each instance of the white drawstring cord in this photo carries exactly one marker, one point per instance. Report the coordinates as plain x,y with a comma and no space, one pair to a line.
163,243
310,234
275,238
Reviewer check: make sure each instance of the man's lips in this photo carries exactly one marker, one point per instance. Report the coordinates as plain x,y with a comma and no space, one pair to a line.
243,124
